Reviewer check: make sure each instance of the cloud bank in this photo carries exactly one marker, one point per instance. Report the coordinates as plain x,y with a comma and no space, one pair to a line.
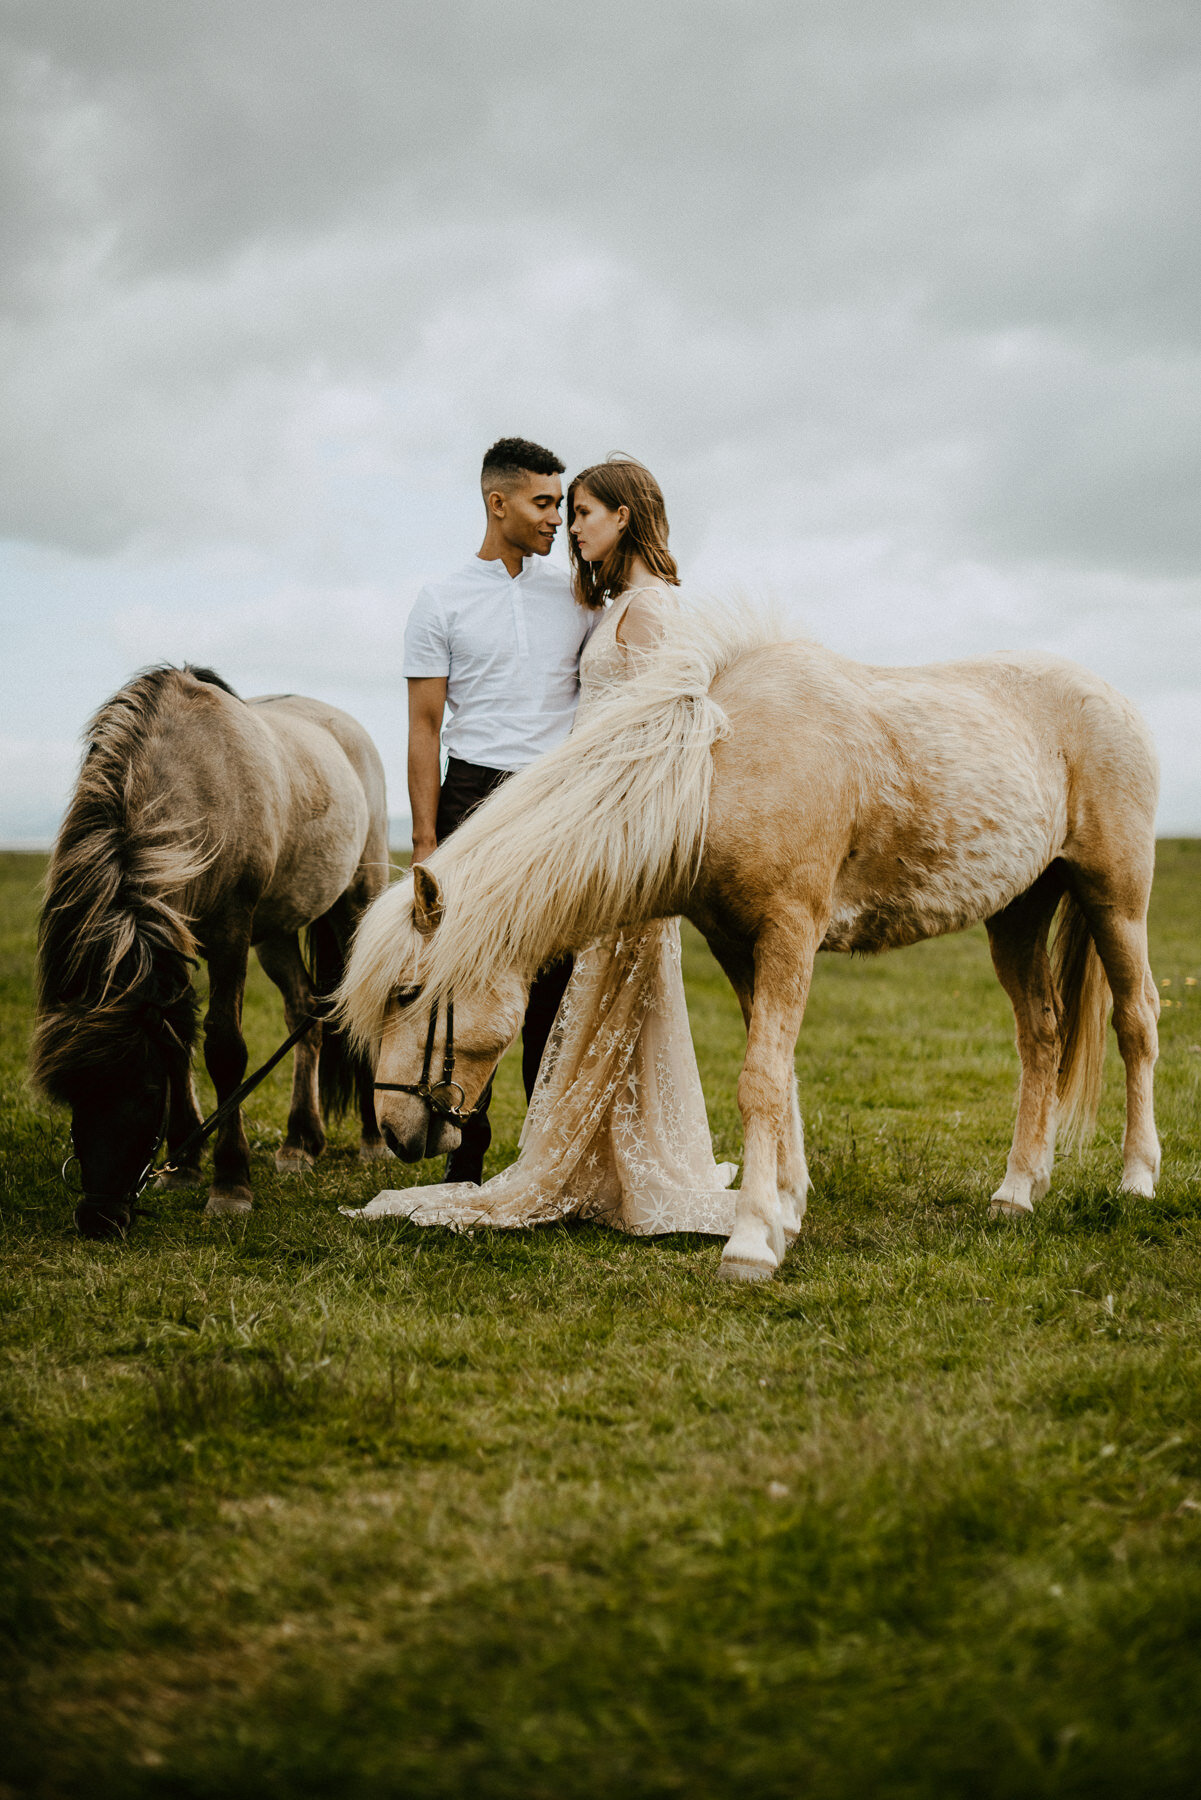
899,302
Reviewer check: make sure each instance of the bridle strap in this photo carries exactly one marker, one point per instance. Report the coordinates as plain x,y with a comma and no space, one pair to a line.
422,1089
127,1195
448,1059
428,1061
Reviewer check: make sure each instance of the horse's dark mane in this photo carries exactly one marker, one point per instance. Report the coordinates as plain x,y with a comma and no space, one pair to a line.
113,942
209,675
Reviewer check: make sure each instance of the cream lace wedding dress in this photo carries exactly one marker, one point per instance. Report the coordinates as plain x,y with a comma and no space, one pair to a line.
616,1130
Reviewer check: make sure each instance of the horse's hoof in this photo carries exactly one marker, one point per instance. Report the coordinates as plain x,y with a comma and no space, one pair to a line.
375,1152
793,1218
753,1251
229,1204
290,1159
730,1269
1139,1181
177,1178
1010,1209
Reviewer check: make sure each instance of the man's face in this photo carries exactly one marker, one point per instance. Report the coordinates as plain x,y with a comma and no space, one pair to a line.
530,513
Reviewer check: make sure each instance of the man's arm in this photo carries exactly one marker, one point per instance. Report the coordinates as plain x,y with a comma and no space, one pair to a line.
427,703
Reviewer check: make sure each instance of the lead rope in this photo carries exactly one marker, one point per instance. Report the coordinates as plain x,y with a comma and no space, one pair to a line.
209,1125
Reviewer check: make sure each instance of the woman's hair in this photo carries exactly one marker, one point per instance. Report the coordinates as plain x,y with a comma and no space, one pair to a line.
620,481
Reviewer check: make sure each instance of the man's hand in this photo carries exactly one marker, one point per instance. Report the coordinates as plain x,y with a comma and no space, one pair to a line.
427,703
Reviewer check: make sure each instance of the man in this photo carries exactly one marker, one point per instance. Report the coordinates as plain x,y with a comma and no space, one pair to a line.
498,645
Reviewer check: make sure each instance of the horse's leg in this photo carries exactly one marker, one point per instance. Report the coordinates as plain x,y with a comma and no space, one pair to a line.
227,950
368,884
792,1171
305,1140
766,1096
793,1175
1116,909
372,1147
1017,938
183,1117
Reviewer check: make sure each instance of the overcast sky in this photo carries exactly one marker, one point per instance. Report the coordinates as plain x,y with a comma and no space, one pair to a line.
898,298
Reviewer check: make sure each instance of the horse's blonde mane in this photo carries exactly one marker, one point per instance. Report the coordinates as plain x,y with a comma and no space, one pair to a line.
604,831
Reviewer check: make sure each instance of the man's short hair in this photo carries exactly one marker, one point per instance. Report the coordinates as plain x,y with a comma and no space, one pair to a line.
512,457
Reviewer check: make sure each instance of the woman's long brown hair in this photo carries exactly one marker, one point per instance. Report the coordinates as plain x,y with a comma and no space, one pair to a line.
620,481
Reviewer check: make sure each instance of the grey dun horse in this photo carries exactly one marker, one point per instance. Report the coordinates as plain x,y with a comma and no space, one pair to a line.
201,825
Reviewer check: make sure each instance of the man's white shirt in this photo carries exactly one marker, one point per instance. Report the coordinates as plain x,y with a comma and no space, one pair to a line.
509,647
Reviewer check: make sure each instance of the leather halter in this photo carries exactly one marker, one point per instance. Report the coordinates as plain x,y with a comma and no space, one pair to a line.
437,1095
128,1196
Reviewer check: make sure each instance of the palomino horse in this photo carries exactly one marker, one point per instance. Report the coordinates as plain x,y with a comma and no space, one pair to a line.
787,800
201,825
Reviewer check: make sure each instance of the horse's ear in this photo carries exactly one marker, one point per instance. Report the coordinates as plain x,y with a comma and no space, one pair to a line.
427,900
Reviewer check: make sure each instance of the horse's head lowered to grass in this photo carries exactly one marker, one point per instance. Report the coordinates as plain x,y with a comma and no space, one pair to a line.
112,1029
116,1013
437,1050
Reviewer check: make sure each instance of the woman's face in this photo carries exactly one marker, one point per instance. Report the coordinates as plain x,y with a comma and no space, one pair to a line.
595,527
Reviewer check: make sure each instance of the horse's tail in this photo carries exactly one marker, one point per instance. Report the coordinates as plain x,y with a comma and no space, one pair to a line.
1084,1006
341,1068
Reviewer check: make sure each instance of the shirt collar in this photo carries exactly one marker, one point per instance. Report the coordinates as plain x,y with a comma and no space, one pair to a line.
494,569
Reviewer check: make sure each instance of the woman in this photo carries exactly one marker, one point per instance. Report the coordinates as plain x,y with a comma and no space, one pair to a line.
616,1129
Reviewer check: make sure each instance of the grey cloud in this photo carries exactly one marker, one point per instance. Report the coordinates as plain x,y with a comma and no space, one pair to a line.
927,272
794,133
1096,465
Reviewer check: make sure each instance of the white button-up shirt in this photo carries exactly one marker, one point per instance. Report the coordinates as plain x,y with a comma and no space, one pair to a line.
509,647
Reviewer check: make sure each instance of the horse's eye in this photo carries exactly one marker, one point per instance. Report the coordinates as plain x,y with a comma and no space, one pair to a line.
405,996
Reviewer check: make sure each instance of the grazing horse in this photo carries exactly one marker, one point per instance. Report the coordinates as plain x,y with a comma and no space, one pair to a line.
201,825
787,800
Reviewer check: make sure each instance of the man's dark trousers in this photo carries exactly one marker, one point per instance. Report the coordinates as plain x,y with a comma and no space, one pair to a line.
466,784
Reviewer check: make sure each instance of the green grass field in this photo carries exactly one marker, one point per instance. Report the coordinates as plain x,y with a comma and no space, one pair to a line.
295,1506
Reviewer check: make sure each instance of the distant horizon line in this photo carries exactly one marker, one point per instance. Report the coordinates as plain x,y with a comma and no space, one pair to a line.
400,837
403,840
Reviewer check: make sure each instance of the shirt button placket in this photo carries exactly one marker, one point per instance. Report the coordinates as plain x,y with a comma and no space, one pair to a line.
518,598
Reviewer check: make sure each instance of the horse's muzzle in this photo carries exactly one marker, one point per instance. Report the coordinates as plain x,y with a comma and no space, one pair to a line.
102,1218
442,1137
435,1137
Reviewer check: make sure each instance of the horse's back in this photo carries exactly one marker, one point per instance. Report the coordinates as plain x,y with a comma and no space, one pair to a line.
335,819
921,799
285,792
354,738
1090,735
206,764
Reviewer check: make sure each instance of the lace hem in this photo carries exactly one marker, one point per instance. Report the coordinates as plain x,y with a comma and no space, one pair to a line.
454,1205
616,1129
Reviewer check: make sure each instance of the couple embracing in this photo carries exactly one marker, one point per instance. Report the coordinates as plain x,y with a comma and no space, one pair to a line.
512,648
